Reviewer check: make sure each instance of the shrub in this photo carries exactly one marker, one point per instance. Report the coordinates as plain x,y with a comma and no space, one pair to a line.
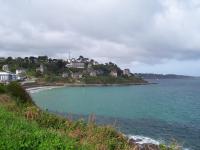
163,147
32,113
2,89
47,120
16,90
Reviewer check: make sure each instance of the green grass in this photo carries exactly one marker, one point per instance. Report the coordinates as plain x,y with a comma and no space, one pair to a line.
27,127
18,133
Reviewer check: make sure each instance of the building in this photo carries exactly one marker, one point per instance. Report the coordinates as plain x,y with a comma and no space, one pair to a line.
4,77
7,77
113,73
127,72
20,71
89,66
21,74
93,73
78,65
13,77
65,75
5,68
76,75
41,68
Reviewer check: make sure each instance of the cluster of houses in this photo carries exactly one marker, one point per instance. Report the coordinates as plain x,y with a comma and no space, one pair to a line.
81,63
7,76
84,63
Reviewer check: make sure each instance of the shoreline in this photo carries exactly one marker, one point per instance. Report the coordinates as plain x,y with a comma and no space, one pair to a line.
104,85
41,88
37,87
40,85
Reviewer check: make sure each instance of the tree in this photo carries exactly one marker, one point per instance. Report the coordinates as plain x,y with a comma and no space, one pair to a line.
42,58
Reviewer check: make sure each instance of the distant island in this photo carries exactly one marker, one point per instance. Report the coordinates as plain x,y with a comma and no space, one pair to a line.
161,76
81,70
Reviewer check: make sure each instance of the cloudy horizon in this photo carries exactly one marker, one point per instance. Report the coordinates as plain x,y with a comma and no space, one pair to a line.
156,36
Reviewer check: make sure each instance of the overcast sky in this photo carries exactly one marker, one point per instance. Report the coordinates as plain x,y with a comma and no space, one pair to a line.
159,36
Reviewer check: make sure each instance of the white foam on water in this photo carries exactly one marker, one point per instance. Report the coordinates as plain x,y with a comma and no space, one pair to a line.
147,140
39,89
143,140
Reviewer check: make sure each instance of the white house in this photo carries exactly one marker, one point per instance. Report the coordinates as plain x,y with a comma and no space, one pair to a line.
7,77
89,66
92,73
126,72
20,71
78,65
65,75
4,76
113,73
41,68
5,68
21,74
76,75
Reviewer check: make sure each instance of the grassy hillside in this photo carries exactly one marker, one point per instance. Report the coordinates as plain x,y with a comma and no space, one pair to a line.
24,126
17,133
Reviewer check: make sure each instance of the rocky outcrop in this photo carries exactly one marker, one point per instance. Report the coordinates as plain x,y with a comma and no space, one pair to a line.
137,146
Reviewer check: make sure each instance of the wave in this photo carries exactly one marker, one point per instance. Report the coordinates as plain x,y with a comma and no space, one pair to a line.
39,89
138,139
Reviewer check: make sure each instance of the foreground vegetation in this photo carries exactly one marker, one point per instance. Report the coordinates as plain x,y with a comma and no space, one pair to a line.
24,126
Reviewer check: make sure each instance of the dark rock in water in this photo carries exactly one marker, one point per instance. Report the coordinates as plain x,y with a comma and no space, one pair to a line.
131,141
150,147
134,141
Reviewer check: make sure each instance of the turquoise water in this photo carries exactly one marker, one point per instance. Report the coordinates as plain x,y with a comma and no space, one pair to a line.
163,111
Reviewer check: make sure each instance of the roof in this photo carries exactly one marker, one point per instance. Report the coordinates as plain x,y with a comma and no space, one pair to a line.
4,73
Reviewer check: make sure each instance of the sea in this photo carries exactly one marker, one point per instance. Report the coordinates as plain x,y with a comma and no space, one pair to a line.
165,112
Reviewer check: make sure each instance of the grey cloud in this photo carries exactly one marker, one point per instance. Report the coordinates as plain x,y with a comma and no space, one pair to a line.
146,31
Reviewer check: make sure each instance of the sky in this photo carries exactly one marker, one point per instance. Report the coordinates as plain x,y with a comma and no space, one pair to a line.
148,36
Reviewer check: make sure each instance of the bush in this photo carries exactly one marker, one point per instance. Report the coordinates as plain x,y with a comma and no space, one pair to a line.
16,90
47,120
2,89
